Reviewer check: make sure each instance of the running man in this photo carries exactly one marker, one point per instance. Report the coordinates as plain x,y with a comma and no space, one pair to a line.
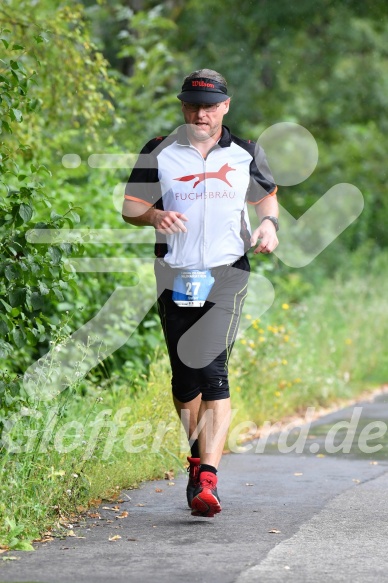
194,191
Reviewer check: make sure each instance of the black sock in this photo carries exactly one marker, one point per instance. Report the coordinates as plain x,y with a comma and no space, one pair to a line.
207,468
195,449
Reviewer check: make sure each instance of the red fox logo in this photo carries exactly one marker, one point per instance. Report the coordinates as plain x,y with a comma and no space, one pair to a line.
220,174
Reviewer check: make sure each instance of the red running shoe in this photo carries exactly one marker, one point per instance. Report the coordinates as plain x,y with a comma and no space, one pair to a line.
193,482
205,500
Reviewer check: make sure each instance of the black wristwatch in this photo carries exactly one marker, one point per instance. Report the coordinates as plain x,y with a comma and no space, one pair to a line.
273,220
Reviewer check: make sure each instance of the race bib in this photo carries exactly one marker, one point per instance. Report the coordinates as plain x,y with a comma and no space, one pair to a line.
192,287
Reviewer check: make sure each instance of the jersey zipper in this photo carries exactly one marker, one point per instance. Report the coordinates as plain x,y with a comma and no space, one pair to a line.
204,216
203,247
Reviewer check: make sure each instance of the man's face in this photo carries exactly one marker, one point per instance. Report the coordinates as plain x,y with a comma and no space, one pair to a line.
205,124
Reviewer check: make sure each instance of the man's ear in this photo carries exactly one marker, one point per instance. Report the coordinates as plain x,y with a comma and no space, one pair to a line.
227,103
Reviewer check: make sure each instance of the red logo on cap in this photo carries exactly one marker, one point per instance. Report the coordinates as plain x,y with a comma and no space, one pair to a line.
201,84
220,174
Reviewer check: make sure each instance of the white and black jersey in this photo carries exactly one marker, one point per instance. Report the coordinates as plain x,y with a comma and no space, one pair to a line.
213,192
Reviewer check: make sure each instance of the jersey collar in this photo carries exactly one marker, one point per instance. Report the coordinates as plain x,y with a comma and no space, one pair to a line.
224,141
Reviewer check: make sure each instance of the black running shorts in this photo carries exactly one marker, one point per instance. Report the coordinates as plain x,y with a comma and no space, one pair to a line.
200,339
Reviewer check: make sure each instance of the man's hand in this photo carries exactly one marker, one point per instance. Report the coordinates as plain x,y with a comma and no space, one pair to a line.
267,233
169,222
140,214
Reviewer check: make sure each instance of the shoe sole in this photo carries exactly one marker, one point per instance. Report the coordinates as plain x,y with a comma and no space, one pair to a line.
205,504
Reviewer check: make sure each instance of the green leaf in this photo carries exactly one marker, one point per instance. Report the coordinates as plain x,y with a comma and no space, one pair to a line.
55,255
16,115
3,328
45,169
17,297
11,272
31,338
54,216
14,64
23,545
5,348
18,337
6,126
17,47
7,306
7,98
22,69
5,42
13,251
66,248
44,290
25,211
75,216
15,79
24,191
58,294
36,301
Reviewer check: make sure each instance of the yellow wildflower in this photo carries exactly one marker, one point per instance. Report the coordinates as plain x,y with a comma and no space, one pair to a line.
285,306
348,341
286,338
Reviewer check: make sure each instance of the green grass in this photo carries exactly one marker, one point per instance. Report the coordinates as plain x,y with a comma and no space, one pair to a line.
85,454
329,346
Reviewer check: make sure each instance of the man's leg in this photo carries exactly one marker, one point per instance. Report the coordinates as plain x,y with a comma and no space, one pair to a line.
213,423
207,346
212,419
213,429
199,342
188,414
213,435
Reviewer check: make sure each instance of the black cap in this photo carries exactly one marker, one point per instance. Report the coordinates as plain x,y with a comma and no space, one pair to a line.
203,90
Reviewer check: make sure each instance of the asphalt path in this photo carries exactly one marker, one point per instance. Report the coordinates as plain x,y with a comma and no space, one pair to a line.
311,516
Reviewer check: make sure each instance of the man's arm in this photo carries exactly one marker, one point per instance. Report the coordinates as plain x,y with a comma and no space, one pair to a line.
140,214
266,231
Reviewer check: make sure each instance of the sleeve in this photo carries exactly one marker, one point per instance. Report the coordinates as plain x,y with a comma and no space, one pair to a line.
261,182
143,182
